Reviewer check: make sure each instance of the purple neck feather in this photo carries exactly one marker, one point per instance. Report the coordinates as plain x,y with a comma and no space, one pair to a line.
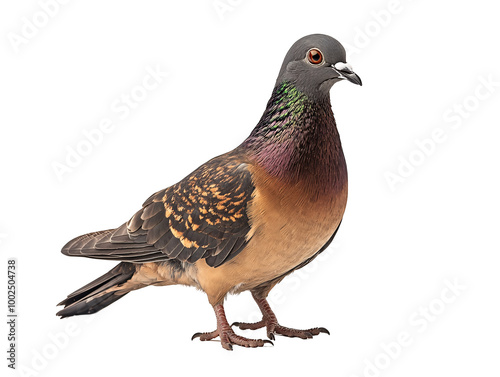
297,140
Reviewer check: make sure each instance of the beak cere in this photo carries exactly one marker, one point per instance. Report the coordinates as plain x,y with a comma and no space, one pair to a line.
345,72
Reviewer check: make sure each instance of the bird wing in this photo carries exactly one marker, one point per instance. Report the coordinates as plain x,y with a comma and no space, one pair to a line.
202,216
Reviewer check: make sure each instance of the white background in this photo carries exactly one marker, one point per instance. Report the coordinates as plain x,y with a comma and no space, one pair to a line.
397,248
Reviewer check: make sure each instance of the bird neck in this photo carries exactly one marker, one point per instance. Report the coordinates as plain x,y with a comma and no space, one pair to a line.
297,139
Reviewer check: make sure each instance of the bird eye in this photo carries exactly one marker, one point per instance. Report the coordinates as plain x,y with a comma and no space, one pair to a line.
315,56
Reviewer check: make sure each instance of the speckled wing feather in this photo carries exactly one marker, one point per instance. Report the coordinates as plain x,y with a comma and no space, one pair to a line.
202,216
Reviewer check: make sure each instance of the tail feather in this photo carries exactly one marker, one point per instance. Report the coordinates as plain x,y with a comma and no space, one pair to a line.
99,293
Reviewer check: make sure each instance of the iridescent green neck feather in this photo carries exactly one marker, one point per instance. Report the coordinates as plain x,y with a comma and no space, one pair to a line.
297,139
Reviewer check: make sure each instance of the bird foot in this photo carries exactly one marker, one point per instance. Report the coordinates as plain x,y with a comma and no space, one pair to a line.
229,338
273,327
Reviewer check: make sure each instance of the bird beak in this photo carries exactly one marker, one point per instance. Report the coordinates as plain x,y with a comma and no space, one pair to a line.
345,72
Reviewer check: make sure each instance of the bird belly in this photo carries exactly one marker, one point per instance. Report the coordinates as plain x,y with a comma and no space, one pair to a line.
288,233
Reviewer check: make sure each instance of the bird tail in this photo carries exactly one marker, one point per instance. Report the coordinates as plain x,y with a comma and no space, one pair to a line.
100,293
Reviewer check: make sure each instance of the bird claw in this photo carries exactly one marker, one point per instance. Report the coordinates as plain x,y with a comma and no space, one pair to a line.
205,335
323,330
275,328
304,334
196,335
230,338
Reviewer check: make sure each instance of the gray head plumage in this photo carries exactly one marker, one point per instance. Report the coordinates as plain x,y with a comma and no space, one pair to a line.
314,63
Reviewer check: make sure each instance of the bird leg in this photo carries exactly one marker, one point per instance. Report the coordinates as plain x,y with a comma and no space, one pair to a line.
225,332
273,327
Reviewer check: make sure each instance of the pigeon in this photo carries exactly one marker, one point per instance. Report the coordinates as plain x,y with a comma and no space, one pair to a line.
244,220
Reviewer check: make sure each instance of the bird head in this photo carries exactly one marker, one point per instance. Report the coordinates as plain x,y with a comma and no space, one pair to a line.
314,63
